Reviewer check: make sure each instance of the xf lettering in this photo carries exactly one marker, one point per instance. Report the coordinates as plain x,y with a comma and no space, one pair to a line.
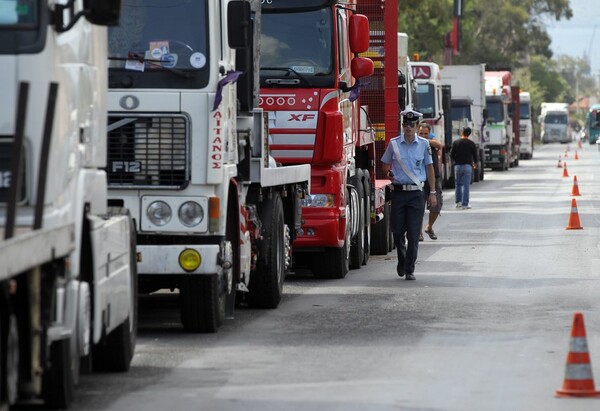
301,117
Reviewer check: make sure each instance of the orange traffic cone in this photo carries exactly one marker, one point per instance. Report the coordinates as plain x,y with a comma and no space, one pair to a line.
566,155
574,223
559,165
579,381
565,172
575,188
576,156
579,143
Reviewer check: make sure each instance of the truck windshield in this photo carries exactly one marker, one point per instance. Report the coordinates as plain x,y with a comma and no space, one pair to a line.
495,111
556,119
301,41
160,44
18,14
461,112
525,112
425,100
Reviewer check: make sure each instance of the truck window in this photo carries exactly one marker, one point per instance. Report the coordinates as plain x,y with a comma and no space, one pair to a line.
300,40
461,112
425,103
495,111
18,14
556,119
525,112
165,41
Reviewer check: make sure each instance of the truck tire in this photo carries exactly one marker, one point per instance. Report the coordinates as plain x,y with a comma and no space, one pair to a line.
116,352
367,191
356,249
335,262
202,303
266,283
380,233
58,386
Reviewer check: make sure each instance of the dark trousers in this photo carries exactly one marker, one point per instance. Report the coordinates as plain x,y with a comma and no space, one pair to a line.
408,208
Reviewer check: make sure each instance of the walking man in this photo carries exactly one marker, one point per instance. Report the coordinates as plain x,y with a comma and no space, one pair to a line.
434,212
464,155
407,163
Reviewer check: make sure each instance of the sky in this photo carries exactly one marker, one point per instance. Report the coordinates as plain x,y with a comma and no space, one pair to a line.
580,35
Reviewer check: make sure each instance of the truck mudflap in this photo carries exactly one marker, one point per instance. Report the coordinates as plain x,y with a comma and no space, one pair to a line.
164,259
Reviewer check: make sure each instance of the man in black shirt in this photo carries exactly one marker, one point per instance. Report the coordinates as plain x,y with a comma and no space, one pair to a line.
464,155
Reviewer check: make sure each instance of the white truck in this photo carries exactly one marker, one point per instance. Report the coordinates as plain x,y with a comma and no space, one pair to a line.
467,83
188,153
502,149
68,293
526,126
554,122
406,83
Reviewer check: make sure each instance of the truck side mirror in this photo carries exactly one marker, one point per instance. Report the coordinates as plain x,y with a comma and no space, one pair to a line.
402,98
511,110
239,24
102,12
359,33
485,114
361,67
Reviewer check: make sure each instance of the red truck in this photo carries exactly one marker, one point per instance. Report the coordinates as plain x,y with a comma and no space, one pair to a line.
312,85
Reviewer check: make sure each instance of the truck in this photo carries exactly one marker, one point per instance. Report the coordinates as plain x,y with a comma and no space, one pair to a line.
592,124
311,82
554,123
406,83
433,100
467,84
68,292
526,126
189,153
502,150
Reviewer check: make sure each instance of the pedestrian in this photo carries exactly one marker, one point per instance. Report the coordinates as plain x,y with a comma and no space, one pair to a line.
407,163
464,156
434,212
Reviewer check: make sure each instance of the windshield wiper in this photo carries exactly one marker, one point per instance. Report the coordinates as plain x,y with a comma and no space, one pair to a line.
140,58
288,70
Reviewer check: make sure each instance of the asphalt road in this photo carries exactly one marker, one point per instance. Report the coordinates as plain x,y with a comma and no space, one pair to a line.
486,325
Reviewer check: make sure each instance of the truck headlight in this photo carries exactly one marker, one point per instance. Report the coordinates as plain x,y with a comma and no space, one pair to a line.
318,200
191,214
159,213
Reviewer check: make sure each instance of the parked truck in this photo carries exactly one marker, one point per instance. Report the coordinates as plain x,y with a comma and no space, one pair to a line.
592,124
526,126
502,149
311,79
189,153
467,84
554,122
68,292
433,100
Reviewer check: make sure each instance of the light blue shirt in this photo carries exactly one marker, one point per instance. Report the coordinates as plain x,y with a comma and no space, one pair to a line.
415,156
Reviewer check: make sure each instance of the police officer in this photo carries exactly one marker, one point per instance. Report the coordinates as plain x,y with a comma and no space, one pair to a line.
409,157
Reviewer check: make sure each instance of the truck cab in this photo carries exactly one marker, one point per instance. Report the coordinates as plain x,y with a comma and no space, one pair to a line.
526,126
499,150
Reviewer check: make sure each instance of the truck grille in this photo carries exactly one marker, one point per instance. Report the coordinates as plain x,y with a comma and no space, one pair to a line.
147,151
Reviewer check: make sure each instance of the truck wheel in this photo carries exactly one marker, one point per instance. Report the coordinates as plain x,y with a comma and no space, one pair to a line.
266,283
380,233
202,303
116,353
367,237
356,249
58,385
335,262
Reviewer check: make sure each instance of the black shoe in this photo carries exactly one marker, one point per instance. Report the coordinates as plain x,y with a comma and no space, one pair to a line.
410,276
400,270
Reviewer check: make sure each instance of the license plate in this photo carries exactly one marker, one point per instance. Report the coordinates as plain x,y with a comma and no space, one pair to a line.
495,152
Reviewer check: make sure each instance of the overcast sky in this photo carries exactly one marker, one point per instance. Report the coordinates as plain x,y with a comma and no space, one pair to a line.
574,37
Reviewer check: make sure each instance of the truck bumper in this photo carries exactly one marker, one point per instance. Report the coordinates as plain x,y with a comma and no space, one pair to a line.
321,230
164,259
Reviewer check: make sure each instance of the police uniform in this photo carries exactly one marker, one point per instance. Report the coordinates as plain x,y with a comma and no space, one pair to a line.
408,202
